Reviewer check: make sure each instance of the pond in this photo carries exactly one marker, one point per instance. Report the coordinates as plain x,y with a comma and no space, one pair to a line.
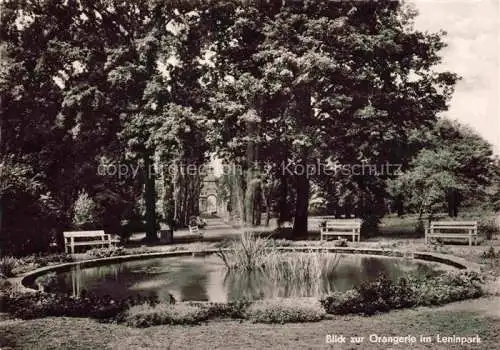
207,279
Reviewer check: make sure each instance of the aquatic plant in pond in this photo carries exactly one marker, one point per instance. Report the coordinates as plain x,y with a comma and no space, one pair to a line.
246,253
286,274
298,274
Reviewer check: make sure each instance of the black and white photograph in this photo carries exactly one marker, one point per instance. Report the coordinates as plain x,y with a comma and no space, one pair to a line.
249,174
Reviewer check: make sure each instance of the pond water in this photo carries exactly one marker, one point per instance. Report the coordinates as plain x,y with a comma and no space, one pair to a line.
207,279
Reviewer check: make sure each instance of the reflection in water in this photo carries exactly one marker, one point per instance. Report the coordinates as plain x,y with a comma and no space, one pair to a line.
205,278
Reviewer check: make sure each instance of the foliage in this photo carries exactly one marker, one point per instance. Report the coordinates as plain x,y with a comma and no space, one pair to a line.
490,254
383,294
253,81
233,309
489,228
39,305
47,282
146,315
454,158
369,225
448,288
266,311
32,262
306,88
107,252
285,311
85,212
7,266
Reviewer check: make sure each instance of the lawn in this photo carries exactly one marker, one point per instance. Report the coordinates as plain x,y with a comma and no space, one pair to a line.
476,317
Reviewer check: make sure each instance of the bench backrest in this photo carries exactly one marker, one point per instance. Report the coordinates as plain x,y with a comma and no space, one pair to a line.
70,234
454,225
343,223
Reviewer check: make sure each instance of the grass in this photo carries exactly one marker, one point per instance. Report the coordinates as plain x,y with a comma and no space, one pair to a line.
65,333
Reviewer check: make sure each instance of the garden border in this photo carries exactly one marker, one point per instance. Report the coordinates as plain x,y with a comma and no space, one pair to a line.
26,280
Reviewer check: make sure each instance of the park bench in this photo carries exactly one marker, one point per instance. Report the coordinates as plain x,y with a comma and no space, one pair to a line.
452,229
74,239
341,227
195,226
195,230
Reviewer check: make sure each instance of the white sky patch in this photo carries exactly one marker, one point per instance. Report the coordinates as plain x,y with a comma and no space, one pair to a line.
473,53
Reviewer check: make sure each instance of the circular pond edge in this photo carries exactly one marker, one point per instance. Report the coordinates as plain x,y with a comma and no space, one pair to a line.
26,280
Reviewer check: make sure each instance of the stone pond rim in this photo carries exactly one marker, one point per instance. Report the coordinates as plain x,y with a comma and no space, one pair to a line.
27,280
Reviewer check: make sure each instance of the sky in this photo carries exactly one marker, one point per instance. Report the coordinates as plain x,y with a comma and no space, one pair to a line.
473,52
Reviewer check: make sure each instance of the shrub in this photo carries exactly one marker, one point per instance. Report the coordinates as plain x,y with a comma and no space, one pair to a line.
233,309
7,266
449,287
47,281
370,297
146,315
39,305
369,226
84,212
106,252
341,242
490,254
4,286
32,262
285,311
488,228
383,294
342,303
420,228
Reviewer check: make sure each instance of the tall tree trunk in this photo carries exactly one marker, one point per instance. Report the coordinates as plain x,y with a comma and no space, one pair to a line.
150,198
187,196
168,200
303,115
265,199
301,205
283,212
1,216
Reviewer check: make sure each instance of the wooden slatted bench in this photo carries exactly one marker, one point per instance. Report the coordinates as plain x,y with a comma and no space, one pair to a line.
74,239
452,229
195,230
341,227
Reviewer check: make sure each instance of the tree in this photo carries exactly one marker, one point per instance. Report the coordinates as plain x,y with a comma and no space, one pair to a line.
455,163
330,82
